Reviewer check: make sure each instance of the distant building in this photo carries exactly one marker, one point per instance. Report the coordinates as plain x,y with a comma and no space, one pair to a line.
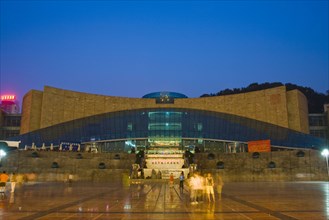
9,104
319,123
10,125
167,120
10,117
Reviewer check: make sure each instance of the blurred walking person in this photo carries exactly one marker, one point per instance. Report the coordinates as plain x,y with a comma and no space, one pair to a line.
200,187
220,185
3,180
193,188
13,180
171,180
210,188
181,182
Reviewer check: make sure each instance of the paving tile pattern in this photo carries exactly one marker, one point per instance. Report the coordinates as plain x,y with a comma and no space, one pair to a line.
85,200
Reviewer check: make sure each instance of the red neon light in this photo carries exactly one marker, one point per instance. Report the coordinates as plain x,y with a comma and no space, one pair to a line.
8,97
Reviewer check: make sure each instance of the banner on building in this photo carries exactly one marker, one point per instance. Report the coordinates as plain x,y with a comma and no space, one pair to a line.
259,146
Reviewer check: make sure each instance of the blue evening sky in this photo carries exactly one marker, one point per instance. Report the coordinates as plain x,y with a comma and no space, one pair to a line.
130,48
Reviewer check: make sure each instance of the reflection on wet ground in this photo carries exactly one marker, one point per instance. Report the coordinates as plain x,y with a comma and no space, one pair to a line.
280,200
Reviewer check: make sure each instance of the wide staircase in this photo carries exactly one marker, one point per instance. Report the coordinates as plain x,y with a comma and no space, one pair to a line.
160,162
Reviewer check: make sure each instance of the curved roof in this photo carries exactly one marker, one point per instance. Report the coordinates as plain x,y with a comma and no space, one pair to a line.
155,95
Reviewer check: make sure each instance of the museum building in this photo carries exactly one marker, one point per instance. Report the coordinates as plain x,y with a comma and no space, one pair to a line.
167,119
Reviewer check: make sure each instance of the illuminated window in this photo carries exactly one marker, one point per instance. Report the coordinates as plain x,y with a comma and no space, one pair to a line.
199,126
130,126
165,126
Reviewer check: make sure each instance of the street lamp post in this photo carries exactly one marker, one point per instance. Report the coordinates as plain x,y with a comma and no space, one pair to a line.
325,153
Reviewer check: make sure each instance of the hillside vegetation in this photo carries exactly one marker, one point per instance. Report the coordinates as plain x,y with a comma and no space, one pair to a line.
315,99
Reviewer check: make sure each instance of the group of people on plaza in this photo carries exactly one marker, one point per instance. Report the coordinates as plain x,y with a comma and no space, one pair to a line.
4,178
201,188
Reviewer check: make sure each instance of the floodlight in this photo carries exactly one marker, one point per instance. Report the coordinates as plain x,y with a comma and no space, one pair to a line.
325,153
2,153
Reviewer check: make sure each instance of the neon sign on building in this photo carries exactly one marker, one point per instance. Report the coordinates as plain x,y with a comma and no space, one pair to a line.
8,97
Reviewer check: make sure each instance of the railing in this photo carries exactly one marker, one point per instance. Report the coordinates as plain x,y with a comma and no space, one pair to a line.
164,156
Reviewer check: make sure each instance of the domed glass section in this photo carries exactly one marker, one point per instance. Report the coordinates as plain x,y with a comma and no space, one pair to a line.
155,95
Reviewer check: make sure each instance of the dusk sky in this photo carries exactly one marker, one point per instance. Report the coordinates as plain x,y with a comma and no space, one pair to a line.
131,48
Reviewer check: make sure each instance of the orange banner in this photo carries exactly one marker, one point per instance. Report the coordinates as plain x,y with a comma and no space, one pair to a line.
259,146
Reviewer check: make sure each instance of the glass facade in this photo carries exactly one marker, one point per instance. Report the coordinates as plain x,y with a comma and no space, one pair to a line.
319,125
184,128
317,120
9,125
174,95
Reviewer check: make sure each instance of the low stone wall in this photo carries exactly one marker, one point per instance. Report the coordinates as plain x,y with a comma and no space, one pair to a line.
243,167
83,166
115,167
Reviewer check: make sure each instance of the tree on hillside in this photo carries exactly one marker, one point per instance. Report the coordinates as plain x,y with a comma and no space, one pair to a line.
315,100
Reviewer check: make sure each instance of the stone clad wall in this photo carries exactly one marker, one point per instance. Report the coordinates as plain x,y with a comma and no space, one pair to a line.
297,111
237,167
274,106
86,168
289,167
31,111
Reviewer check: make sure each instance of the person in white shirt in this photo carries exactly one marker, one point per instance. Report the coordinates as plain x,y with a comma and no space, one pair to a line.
210,188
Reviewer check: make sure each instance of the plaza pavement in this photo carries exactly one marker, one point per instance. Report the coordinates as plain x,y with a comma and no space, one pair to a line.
156,200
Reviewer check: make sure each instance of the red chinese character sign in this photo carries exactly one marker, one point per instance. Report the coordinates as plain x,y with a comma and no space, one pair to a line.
259,146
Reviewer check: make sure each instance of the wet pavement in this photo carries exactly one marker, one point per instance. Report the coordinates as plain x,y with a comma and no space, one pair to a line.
156,200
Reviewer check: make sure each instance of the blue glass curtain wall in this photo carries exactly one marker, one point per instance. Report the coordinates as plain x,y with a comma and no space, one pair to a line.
168,123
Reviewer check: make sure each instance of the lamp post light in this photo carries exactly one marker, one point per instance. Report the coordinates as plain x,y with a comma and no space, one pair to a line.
325,153
2,154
